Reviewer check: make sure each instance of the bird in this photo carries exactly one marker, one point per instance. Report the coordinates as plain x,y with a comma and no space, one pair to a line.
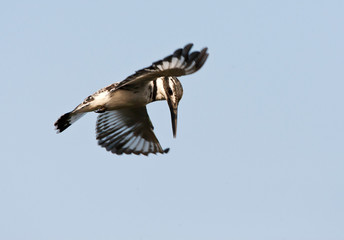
123,125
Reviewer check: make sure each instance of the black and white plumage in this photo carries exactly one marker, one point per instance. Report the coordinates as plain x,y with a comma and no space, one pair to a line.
123,125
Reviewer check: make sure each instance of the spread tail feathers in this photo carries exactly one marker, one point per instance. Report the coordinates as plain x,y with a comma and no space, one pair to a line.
66,120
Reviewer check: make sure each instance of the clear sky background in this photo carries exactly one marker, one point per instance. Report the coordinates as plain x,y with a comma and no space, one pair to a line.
259,151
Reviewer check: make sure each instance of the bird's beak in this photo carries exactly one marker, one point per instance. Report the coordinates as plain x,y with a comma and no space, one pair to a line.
174,113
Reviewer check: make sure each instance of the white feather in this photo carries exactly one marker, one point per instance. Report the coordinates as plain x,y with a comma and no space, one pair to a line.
174,62
165,65
180,62
160,67
100,99
189,68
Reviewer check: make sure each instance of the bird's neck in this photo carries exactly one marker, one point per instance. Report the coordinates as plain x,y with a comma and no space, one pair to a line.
157,90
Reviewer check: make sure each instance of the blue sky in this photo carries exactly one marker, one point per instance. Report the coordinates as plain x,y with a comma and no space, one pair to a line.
259,149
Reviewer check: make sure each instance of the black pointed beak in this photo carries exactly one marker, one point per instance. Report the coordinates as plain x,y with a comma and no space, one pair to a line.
174,114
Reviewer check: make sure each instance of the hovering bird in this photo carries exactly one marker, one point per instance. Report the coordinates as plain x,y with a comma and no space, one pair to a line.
123,125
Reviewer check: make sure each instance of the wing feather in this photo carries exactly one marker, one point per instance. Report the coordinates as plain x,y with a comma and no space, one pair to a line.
180,63
127,131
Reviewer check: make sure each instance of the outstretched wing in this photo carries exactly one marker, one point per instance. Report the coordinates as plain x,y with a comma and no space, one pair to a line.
127,131
180,63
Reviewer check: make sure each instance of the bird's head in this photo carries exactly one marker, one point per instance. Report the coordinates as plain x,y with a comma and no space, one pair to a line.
174,93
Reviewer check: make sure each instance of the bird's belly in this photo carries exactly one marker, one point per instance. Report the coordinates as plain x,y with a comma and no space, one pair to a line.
123,99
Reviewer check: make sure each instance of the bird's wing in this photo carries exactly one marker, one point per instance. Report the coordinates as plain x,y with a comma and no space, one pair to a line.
127,131
180,63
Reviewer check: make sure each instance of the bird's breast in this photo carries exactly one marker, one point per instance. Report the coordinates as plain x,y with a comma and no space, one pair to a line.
124,98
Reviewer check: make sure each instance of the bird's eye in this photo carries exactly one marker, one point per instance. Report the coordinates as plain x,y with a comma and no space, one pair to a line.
169,90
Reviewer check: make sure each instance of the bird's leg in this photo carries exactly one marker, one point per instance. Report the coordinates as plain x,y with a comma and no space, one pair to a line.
100,109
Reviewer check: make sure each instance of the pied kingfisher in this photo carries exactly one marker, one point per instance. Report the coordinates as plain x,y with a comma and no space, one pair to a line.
123,125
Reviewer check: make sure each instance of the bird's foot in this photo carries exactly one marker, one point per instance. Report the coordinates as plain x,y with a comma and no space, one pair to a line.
100,110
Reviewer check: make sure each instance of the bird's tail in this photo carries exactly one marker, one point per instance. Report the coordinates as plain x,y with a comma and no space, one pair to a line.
66,120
